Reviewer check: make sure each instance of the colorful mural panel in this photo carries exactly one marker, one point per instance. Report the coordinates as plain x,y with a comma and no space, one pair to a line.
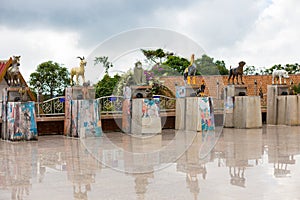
150,108
85,118
19,121
206,113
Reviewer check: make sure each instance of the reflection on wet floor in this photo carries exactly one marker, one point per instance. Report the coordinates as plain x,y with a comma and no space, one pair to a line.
230,164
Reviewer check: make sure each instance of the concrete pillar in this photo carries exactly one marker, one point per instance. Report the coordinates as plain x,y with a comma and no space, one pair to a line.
228,112
281,110
180,114
298,109
273,92
193,117
145,117
247,112
82,112
241,111
194,112
292,110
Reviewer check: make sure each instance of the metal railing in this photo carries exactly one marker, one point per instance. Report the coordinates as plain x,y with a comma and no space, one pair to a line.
166,103
111,104
114,104
51,107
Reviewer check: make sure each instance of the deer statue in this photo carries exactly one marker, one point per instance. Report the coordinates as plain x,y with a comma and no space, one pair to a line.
78,71
236,72
13,72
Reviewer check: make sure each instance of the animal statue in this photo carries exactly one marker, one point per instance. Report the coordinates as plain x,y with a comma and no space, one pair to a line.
138,74
279,74
190,72
236,72
13,72
78,71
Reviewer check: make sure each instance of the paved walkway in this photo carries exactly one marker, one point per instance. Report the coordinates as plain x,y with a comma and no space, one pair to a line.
235,164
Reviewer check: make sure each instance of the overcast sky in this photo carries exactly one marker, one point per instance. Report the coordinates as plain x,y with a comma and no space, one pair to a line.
260,32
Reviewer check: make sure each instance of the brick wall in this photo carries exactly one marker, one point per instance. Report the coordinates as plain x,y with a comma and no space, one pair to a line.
50,127
211,83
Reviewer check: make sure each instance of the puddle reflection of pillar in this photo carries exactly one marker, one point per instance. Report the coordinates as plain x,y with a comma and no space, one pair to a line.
81,168
18,173
283,143
241,146
137,148
191,164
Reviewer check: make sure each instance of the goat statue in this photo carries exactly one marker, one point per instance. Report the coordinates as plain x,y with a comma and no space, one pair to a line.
279,74
78,71
13,73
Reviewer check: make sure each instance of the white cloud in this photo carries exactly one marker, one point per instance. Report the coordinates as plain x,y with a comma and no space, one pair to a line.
37,46
274,38
261,32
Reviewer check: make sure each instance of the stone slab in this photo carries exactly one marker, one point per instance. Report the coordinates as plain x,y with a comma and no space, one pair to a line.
193,120
292,110
145,116
273,91
253,112
180,114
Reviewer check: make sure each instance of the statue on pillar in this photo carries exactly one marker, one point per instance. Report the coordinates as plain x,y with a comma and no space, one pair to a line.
138,74
201,90
190,72
13,72
78,71
237,72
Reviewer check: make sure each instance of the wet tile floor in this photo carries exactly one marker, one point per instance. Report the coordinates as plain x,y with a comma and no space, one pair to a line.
228,164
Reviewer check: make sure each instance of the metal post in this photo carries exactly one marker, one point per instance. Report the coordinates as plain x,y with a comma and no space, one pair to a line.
255,87
217,89
38,85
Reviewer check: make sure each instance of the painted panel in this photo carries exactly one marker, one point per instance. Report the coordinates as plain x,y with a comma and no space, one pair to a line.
20,121
206,113
85,118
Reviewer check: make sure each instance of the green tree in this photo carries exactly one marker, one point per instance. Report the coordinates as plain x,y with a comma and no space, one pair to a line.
104,60
177,63
106,86
156,56
296,89
250,70
52,77
274,67
222,67
290,68
206,66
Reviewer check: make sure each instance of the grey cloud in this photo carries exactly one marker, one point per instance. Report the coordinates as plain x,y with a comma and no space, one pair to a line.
93,19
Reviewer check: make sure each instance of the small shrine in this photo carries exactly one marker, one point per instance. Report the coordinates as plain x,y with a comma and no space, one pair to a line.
18,103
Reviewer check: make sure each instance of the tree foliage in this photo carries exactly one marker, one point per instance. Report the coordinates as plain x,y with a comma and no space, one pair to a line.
290,68
52,77
296,88
206,66
103,60
156,56
106,86
251,70
177,63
